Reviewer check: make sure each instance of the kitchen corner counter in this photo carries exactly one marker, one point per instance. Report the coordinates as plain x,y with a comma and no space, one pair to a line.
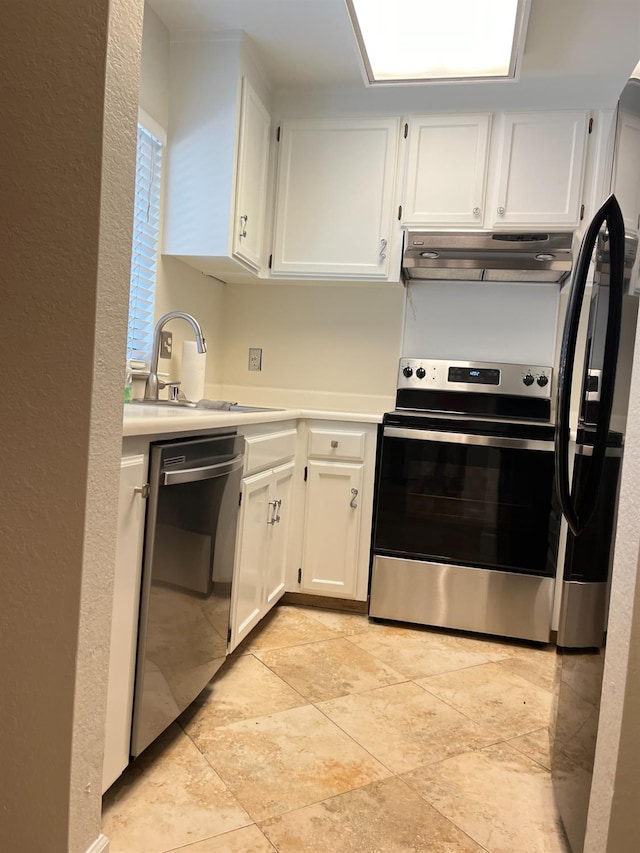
141,420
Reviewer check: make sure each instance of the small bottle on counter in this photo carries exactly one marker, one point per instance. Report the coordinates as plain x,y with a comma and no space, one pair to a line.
128,382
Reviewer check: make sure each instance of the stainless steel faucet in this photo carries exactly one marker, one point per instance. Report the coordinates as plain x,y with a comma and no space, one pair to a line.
153,383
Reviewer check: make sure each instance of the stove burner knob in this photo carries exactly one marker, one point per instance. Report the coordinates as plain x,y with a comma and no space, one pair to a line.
528,379
421,373
408,371
543,380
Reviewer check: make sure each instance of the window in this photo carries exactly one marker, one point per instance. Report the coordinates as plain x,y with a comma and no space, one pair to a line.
146,229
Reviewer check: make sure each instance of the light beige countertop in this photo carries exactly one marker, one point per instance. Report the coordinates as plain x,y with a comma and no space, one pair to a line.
139,419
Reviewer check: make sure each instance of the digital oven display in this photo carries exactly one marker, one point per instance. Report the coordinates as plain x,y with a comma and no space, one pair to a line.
474,375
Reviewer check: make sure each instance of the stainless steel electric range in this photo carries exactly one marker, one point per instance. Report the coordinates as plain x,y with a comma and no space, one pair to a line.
466,524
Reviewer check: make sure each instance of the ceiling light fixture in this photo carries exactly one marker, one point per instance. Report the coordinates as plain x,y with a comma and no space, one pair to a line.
436,41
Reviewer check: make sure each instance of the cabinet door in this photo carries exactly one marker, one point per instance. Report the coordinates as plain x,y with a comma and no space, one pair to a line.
124,619
332,528
253,536
334,203
281,493
541,169
446,170
626,179
251,178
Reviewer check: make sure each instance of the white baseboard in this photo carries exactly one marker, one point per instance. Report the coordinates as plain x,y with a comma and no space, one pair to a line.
100,845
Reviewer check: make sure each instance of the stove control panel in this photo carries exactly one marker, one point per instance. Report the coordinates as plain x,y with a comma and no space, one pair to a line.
516,380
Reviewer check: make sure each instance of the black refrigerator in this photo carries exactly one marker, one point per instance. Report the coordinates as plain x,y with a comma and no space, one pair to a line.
588,461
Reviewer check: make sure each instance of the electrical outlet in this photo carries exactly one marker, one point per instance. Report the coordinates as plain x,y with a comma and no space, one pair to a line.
255,358
166,344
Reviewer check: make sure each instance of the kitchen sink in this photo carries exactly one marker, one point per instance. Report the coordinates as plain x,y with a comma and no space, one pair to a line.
214,406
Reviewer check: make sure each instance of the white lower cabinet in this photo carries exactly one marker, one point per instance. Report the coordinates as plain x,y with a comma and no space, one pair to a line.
338,510
263,533
332,528
124,622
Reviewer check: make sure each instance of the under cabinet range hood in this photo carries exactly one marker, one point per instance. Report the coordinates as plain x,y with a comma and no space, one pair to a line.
541,256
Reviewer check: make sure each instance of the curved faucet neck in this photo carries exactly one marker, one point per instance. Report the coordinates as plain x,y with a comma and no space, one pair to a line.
152,384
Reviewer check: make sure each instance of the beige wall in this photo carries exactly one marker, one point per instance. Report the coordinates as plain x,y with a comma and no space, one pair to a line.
66,234
324,345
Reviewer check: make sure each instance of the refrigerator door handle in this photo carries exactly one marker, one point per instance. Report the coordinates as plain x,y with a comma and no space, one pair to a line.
578,509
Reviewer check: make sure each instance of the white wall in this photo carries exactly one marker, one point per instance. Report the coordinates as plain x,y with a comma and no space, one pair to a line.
481,321
324,345
178,287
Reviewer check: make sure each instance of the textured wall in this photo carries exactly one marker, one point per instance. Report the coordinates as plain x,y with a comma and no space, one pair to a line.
62,297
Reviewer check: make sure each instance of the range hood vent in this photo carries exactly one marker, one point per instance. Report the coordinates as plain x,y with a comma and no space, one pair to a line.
484,256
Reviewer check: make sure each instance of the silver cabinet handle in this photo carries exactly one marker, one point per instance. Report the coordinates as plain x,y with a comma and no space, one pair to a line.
143,491
243,225
334,443
476,211
383,246
501,211
275,511
352,502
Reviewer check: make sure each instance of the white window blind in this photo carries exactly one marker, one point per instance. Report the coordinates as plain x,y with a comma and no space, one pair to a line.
144,254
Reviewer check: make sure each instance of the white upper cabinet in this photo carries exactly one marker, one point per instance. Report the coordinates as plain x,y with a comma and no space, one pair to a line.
626,176
251,179
446,169
540,169
217,158
483,171
335,199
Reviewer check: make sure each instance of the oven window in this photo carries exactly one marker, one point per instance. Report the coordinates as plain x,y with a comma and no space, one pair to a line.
472,505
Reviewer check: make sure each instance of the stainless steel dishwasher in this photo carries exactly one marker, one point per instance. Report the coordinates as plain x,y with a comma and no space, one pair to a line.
190,535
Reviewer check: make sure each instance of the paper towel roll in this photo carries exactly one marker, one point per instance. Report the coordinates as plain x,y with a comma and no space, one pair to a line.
193,368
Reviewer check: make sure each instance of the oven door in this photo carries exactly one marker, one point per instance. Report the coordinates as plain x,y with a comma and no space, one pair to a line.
475,500
466,531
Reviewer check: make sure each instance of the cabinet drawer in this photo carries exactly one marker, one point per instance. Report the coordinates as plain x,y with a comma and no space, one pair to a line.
265,451
329,444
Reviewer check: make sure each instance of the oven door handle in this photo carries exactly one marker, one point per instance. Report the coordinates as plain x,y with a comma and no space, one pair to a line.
207,472
467,438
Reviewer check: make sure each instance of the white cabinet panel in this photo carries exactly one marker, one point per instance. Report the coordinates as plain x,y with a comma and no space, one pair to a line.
124,620
332,528
251,180
446,169
334,201
248,579
282,493
331,444
541,169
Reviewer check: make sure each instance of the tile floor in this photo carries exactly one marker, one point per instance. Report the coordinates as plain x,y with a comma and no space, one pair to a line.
327,732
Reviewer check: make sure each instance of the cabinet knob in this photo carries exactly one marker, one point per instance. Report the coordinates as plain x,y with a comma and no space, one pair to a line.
243,225
334,443
352,502
143,491
501,211
383,246
476,211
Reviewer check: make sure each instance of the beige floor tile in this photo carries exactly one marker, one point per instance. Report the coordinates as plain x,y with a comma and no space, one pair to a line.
247,840
498,796
285,626
244,688
537,745
328,669
170,796
505,704
405,727
417,653
385,817
346,624
284,761
537,665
